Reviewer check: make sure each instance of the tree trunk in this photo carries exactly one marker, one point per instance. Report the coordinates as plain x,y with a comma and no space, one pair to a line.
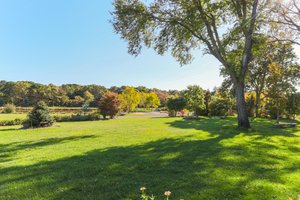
257,104
243,120
277,116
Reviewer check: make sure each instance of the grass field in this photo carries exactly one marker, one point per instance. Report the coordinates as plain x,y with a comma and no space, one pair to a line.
208,159
24,116
12,116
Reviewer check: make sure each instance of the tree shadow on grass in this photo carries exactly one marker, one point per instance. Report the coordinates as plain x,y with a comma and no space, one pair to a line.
228,126
8,150
191,169
8,129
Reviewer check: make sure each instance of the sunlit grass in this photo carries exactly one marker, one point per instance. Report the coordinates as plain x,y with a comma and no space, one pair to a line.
12,116
206,159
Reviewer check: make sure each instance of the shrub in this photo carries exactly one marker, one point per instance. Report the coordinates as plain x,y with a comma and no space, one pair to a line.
11,122
85,107
176,104
220,107
109,105
9,108
194,96
293,105
39,116
77,117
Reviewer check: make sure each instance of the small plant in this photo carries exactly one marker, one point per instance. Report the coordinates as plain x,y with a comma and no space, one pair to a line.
167,194
39,116
9,108
144,195
86,107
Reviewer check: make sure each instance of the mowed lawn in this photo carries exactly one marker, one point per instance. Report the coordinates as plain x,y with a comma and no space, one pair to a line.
206,159
12,116
24,116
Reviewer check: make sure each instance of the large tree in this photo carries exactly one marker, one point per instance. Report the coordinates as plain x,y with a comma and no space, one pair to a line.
283,76
268,53
222,28
284,21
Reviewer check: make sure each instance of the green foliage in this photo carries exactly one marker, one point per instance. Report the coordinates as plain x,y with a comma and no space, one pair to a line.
195,99
39,116
152,100
9,108
176,104
221,103
13,122
219,107
130,98
250,103
207,100
77,117
143,97
182,26
27,94
284,74
145,196
88,97
109,105
86,107
163,25
293,104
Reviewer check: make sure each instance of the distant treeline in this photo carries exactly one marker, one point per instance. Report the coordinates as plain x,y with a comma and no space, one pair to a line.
26,93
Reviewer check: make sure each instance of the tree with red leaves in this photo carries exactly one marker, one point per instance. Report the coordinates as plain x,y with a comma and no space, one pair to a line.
109,105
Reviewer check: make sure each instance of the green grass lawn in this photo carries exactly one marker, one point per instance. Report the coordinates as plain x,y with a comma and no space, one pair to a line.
4,116
12,116
208,159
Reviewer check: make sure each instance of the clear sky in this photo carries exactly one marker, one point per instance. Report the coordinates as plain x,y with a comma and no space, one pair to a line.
72,41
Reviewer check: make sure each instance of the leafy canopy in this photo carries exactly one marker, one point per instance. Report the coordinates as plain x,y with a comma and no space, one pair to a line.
195,98
130,98
221,27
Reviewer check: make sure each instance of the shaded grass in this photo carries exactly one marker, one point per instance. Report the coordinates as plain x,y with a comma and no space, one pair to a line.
206,159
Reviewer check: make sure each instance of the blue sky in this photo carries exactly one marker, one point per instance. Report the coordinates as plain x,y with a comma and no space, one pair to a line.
72,41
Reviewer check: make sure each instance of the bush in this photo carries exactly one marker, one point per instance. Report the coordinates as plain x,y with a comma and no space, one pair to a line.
9,108
293,105
176,104
11,122
109,105
77,117
85,107
219,107
39,116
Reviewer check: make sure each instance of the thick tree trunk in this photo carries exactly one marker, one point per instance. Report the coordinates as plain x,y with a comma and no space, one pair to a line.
243,120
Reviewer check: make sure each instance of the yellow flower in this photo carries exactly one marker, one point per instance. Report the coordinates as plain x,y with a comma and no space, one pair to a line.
167,193
142,189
